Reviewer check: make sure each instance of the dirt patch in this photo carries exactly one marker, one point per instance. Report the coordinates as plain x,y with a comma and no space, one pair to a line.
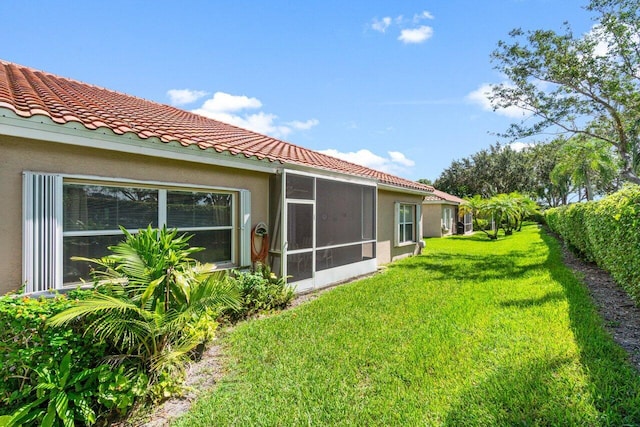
621,316
201,377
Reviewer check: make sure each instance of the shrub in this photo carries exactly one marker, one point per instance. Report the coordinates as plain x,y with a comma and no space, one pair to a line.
260,291
607,232
158,305
26,343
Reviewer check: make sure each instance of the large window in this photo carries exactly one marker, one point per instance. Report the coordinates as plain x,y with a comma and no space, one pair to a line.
93,215
67,217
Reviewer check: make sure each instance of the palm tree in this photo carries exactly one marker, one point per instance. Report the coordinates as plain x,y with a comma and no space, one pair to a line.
155,303
587,161
476,207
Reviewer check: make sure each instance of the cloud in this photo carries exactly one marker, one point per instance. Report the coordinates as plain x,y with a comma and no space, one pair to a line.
480,97
296,124
396,162
224,103
416,35
409,33
519,146
185,96
398,157
381,25
229,109
424,15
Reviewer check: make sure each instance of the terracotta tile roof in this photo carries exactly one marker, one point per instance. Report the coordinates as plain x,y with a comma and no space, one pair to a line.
29,92
441,196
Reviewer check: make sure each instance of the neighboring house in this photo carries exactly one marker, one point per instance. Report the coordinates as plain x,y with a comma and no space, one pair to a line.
440,216
77,161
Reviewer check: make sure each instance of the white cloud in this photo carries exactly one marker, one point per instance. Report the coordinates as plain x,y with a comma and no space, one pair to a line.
382,24
229,108
398,157
416,35
519,146
224,103
480,97
185,96
396,163
424,15
296,124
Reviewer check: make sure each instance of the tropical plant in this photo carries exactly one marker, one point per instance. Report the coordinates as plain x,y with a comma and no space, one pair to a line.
156,304
260,290
589,163
476,207
66,395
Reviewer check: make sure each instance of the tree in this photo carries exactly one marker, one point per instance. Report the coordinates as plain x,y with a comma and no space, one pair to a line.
425,181
543,158
588,85
498,169
476,207
589,163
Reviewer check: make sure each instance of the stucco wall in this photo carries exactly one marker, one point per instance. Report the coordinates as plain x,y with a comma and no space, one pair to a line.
387,252
432,220
18,155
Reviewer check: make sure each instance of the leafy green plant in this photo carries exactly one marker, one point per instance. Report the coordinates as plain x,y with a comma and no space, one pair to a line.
157,303
260,291
62,397
605,231
26,342
118,390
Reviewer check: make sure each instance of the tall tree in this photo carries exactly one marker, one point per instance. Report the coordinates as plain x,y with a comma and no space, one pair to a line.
588,85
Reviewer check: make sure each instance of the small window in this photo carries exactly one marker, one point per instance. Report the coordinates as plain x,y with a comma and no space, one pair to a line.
406,223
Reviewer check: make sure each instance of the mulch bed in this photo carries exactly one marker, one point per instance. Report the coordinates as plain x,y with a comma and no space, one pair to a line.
620,315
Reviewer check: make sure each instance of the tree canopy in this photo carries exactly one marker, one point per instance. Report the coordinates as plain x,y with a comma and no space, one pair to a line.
581,85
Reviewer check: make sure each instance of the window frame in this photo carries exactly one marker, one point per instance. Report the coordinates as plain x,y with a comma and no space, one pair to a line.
43,256
416,222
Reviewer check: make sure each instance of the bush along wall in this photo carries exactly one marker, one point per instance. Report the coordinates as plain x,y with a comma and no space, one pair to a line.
607,232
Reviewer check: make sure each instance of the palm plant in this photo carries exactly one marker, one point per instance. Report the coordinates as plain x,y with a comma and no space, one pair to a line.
476,207
156,303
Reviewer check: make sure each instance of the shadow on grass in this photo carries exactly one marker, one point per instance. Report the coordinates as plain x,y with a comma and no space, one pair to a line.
474,267
613,385
531,302
516,396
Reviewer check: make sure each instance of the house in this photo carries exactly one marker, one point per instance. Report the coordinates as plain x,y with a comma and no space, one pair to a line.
440,215
78,161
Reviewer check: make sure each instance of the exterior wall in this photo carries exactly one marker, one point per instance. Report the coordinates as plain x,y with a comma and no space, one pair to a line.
387,251
18,155
452,219
432,220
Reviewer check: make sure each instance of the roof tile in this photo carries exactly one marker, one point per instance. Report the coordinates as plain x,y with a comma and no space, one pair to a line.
29,92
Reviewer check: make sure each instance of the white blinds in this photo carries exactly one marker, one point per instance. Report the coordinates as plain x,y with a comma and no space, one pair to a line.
42,231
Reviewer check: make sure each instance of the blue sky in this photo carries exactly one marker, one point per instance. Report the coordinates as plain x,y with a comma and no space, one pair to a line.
394,85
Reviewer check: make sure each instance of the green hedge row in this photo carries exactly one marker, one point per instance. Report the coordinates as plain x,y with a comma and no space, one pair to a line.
607,232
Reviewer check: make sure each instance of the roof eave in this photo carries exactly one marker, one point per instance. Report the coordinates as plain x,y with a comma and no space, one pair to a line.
42,128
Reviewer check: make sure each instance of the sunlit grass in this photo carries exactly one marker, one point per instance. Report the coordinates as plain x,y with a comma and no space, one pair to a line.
473,332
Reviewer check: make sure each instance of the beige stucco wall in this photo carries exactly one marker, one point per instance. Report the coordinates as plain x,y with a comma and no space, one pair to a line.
432,220
387,252
18,155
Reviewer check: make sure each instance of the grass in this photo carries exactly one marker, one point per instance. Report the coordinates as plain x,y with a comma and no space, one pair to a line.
473,332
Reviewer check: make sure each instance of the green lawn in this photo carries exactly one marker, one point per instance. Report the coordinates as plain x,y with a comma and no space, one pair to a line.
473,332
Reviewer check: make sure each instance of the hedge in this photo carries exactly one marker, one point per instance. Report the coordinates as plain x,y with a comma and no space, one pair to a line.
607,232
